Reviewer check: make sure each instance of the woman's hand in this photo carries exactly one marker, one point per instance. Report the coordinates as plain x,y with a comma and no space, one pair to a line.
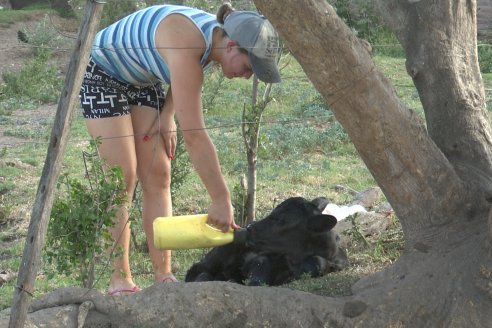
168,126
221,216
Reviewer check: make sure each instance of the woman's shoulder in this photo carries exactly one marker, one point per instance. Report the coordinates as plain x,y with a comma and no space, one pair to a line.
194,14
179,40
179,29
186,31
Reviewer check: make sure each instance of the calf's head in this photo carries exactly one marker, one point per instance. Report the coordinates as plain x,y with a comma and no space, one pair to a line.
296,227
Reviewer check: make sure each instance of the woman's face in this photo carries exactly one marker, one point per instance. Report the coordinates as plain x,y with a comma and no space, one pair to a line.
236,63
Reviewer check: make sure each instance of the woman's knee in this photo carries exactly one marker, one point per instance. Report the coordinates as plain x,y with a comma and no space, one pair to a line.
128,173
152,180
130,181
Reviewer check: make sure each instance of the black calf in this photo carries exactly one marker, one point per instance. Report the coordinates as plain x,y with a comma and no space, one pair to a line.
295,239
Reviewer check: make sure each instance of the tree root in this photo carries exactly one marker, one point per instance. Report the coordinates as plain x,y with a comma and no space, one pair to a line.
73,295
84,309
218,304
427,287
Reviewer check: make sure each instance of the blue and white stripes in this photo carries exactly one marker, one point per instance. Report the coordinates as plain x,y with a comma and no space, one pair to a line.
126,49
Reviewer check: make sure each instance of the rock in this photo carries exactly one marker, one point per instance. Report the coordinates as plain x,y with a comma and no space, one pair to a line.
367,197
6,276
369,224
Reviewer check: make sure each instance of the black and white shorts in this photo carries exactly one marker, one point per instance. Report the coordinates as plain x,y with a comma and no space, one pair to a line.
101,95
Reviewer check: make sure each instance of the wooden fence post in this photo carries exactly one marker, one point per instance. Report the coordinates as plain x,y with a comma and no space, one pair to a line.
69,101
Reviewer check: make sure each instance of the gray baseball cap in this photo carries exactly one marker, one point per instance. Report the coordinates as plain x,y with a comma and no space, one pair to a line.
254,33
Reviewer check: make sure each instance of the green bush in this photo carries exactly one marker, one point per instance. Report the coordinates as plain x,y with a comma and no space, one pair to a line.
10,16
485,57
367,25
6,185
78,234
44,38
115,10
37,83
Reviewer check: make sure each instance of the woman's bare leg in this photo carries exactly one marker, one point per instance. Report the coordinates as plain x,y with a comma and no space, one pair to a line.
118,149
154,172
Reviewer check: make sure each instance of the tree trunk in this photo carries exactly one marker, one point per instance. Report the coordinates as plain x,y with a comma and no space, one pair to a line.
438,179
250,204
251,132
443,50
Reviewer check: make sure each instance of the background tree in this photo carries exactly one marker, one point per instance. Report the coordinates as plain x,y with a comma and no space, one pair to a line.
251,126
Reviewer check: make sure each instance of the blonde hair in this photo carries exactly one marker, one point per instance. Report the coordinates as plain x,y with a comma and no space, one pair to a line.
224,11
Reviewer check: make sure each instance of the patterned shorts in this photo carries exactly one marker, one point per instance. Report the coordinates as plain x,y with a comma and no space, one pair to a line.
101,95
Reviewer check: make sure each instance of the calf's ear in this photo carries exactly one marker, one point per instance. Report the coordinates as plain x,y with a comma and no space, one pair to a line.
320,203
321,222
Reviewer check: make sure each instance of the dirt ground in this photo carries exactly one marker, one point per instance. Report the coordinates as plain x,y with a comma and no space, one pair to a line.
14,54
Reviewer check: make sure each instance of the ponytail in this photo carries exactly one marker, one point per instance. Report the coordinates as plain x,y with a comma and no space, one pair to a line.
223,12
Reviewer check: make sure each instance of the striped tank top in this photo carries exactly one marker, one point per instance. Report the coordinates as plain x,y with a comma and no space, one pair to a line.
126,49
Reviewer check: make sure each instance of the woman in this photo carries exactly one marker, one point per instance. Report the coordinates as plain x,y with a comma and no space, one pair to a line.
124,104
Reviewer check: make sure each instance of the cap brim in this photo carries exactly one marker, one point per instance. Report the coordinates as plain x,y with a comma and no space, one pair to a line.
265,69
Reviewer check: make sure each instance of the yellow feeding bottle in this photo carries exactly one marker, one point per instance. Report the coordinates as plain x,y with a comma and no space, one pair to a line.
192,231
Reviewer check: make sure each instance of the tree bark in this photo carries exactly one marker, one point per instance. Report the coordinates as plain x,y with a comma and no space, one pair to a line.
251,127
250,131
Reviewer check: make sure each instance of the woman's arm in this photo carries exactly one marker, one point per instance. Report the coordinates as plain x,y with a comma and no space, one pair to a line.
186,84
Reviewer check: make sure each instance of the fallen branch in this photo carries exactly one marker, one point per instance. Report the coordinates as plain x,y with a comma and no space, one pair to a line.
73,295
